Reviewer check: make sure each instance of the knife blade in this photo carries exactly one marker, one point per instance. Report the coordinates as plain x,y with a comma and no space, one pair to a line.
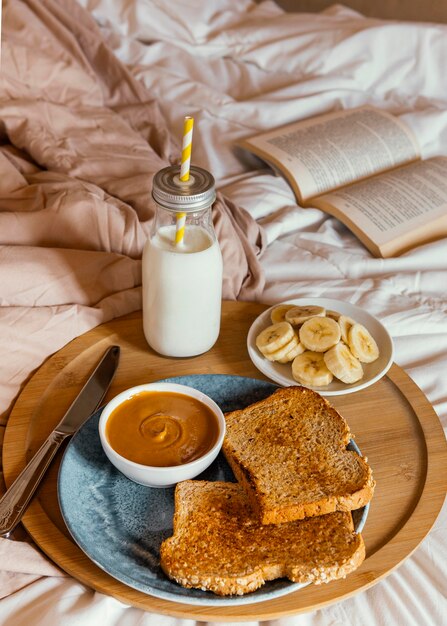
16,499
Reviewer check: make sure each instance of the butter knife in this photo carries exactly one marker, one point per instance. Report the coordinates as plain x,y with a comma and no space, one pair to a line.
17,497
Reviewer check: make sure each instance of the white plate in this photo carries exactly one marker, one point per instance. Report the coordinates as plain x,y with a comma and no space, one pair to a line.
282,372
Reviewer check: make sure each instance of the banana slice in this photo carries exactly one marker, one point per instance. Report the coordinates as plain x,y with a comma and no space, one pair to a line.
299,314
298,349
333,315
345,324
278,314
281,353
343,364
362,344
319,334
274,337
310,369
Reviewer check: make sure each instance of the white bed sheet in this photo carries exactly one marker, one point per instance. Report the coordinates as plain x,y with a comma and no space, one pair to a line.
238,68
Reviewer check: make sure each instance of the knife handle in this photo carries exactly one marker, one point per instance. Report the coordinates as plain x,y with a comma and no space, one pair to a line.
14,502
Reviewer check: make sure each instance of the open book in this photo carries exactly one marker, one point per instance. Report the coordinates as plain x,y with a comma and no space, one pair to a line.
364,167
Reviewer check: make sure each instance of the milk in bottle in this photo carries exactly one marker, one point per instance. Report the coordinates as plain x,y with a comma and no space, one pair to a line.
182,283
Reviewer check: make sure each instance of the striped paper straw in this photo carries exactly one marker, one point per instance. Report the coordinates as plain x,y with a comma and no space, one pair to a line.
180,228
184,175
186,148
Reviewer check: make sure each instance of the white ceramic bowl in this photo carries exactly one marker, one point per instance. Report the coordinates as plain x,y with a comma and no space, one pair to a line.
161,476
282,373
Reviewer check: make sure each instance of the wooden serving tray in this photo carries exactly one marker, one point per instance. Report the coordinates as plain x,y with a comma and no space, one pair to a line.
395,427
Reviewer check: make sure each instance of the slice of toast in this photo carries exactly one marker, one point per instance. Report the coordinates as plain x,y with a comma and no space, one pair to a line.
289,453
219,545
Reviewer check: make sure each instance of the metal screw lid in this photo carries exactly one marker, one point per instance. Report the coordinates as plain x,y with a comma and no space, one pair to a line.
195,194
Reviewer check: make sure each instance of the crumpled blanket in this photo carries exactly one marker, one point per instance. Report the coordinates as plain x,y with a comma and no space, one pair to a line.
80,140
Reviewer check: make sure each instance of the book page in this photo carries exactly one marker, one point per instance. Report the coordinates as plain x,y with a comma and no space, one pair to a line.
330,151
397,209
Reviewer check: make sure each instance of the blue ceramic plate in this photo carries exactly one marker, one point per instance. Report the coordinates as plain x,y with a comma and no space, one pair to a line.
120,524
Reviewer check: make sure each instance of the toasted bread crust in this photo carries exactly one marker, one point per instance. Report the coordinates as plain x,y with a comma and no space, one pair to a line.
219,545
268,464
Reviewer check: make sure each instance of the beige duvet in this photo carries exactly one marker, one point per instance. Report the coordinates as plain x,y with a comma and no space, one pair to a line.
80,140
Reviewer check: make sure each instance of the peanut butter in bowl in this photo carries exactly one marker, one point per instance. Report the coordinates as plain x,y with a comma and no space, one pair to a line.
159,434
162,429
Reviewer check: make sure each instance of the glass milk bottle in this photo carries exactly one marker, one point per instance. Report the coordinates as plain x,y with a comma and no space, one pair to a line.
182,283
